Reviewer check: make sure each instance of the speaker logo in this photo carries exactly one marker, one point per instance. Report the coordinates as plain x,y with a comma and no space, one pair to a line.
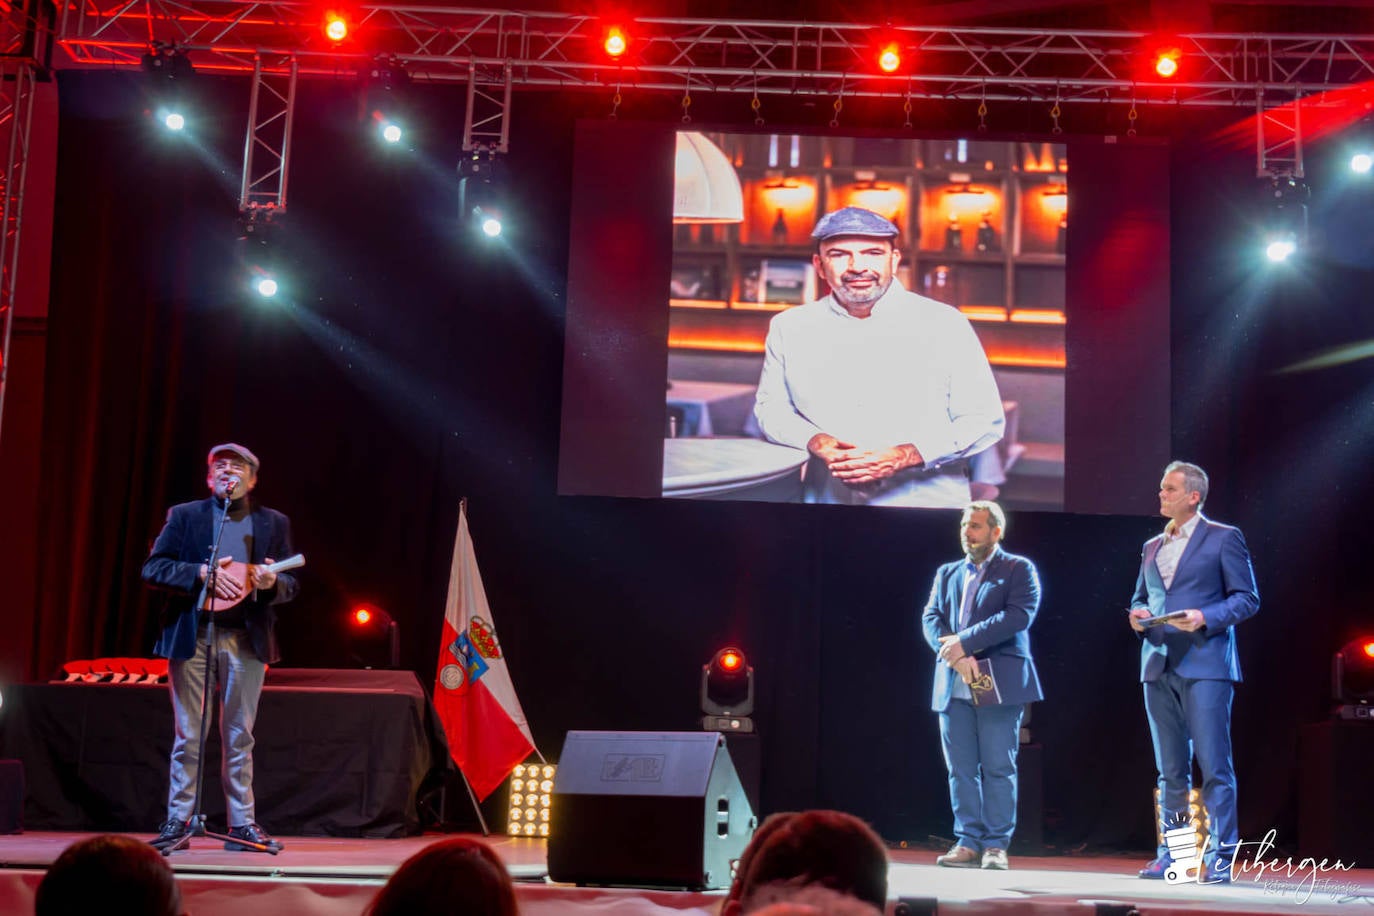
632,768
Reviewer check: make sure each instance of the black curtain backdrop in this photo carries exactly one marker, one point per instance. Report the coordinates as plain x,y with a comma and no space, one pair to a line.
404,367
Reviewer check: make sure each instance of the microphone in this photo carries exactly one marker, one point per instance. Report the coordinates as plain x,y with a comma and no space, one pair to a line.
225,488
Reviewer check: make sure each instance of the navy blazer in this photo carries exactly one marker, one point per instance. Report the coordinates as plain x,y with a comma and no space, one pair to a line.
1214,575
174,566
999,621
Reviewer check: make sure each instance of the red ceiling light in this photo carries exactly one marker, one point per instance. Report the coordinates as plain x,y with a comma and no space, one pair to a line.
889,57
1166,62
617,42
335,26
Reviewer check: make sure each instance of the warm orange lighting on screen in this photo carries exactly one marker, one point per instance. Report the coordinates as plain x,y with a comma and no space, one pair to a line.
984,312
1055,200
966,199
1038,316
616,42
335,26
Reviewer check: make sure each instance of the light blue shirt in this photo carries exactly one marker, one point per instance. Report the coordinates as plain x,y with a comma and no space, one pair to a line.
973,577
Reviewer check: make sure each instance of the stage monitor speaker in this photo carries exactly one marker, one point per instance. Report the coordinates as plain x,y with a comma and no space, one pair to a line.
655,809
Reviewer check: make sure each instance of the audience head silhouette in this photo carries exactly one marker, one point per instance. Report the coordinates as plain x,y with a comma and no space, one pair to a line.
111,875
828,848
456,875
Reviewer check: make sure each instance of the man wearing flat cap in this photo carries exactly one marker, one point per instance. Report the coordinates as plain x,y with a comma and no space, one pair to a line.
890,392
245,643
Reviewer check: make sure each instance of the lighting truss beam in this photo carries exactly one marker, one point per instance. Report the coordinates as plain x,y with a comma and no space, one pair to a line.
1278,139
563,51
17,77
267,150
486,120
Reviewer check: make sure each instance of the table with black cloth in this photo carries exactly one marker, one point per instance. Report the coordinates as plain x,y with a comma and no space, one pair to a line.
339,753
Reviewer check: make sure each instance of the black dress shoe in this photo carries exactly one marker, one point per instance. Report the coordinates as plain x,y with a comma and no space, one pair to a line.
169,833
251,833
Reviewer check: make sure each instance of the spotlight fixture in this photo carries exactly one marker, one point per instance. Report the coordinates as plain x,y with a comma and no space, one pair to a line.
1352,679
531,788
1285,219
616,42
1166,62
727,692
480,204
335,26
1361,163
382,98
258,224
167,60
168,67
890,57
369,620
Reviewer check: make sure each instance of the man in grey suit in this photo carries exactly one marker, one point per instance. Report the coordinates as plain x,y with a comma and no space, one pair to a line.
977,621
1200,571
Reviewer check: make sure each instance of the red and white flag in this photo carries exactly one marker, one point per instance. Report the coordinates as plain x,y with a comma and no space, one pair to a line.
473,694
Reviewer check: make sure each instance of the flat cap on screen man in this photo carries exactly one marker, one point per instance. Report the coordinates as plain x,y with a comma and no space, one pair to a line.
854,221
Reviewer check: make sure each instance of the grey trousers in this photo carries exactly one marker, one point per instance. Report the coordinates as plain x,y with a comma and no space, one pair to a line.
239,674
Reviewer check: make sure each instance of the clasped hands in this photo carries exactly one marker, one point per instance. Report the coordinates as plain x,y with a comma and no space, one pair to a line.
951,652
1194,620
853,465
228,586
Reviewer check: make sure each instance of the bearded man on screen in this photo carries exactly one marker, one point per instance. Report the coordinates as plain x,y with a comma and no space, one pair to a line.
889,392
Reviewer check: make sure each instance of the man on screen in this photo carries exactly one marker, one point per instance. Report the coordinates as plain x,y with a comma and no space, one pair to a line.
890,392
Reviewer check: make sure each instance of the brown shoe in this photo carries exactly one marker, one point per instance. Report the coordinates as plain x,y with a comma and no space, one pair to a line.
995,859
959,857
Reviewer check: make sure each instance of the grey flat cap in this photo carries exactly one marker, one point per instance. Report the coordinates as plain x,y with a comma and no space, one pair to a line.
854,221
235,449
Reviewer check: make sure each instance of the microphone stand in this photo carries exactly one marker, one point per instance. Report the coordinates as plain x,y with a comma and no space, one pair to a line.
196,825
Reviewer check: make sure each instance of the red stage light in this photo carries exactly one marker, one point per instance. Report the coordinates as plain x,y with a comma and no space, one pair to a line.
1369,649
335,27
889,57
731,660
1166,62
616,41
362,616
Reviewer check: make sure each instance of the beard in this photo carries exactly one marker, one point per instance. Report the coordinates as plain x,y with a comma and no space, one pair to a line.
868,296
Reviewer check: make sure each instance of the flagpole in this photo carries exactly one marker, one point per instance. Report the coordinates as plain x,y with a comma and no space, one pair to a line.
476,806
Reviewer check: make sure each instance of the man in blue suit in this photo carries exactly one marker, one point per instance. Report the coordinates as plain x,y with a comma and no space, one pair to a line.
978,615
1200,570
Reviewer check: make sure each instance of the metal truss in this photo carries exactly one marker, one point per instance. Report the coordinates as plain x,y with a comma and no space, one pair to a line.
557,50
1278,140
25,47
267,149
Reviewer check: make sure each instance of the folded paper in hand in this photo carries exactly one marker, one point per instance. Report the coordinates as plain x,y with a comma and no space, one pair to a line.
984,687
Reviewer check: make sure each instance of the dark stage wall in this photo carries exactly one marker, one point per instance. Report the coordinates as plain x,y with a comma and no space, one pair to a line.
408,368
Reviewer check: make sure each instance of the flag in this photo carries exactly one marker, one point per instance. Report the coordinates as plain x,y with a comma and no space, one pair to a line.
473,694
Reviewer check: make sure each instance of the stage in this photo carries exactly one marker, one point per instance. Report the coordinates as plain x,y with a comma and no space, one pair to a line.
337,877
